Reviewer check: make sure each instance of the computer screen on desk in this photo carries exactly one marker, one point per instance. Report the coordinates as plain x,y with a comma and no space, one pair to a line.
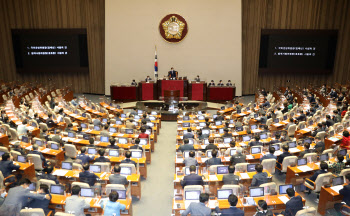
256,191
218,123
57,189
205,131
91,151
1,153
227,139
187,170
104,139
33,124
86,136
331,133
71,134
186,154
214,116
54,146
118,122
263,136
113,152
139,112
67,165
25,139
154,113
95,168
277,147
224,193
83,125
186,124
342,152
39,142
129,131
221,130
121,193
308,140
251,167
324,157
125,170
152,118
87,192
123,140
206,141
256,150
292,144
338,181
209,153
143,141
192,195
238,129
253,127
302,161
246,138
190,141
202,124
21,159
186,118
113,130
232,152
201,117
151,124
285,117
97,128
104,120
123,115
283,188
136,154
222,170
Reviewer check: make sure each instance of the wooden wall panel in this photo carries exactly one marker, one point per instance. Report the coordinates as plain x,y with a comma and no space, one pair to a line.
89,14
293,14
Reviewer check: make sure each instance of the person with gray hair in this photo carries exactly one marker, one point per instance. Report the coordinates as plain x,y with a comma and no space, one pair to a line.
17,148
239,157
36,151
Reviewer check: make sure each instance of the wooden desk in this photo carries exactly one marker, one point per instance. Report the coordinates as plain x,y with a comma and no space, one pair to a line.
27,169
215,93
328,198
110,108
92,111
124,93
294,173
4,139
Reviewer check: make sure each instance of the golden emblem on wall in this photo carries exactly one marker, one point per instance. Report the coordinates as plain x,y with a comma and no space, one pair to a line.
173,28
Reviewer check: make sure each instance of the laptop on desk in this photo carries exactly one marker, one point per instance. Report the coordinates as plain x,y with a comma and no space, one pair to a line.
191,196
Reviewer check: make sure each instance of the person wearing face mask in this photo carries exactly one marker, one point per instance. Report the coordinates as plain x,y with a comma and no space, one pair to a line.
262,209
211,83
172,74
229,83
197,79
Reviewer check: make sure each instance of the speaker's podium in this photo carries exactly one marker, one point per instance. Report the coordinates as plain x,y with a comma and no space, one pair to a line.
181,85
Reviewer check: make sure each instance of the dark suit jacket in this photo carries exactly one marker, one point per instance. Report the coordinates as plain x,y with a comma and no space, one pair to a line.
320,145
281,157
210,146
329,122
188,136
213,161
192,179
186,147
136,147
172,74
49,177
293,206
233,210
346,193
127,160
6,167
88,177
102,159
256,143
43,204
268,156
38,153
113,147
84,158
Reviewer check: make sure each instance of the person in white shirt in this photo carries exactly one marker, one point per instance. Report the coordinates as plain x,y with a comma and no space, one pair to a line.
57,108
279,113
22,129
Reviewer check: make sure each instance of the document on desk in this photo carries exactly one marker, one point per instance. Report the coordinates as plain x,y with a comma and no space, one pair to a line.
277,124
334,139
179,121
221,146
204,160
217,135
212,204
304,168
121,134
60,172
181,137
227,158
235,134
45,150
30,128
244,176
337,188
29,148
278,153
293,150
213,178
77,140
250,157
256,131
307,129
65,139
179,160
284,199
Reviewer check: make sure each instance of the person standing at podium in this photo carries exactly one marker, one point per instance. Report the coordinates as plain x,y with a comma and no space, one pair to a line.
148,79
172,74
197,79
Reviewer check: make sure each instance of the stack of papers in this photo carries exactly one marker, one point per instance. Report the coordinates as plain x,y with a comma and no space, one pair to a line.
121,134
256,130
88,200
277,153
334,139
60,172
244,175
45,150
277,124
307,129
204,159
284,199
213,178
250,157
235,134
304,168
179,160
293,150
217,135
212,204
337,188
227,158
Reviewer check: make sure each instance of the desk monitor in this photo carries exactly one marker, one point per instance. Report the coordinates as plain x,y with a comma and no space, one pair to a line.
54,146
113,130
346,124
186,118
205,131
71,134
86,136
218,123
251,167
253,127
222,107
307,140
113,152
201,117
1,153
239,111
104,139
185,132
123,140
186,124
95,168
97,128
153,113
84,114
25,139
186,154
148,131
192,195
209,153
338,181
277,147
129,131
152,118
256,115
39,142
283,188
143,141
221,131
136,117
139,112
214,116
246,138
67,165
224,193
285,117
32,186
342,152
276,120
33,124
227,139
324,157
187,170
256,191
331,133
57,189
121,193
123,115
232,121
202,124
292,144
87,192
247,108
125,170
104,120
136,154
256,150
199,112
93,107
340,129
232,152
263,136
238,129
206,141
222,169
302,161
118,122
151,124
92,151
21,159
190,141
311,122
83,125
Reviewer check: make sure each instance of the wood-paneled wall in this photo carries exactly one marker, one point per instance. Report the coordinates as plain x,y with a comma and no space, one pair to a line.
293,14
89,14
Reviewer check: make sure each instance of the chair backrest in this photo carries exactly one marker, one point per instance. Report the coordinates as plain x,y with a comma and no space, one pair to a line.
67,120
36,160
241,167
31,212
321,180
43,126
81,184
133,168
4,149
213,168
269,165
261,148
291,130
77,166
344,172
301,124
47,182
14,154
71,150
313,156
321,135
110,187
235,188
14,135
306,212
1,180
288,161
269,122
269,187
193,187
105,166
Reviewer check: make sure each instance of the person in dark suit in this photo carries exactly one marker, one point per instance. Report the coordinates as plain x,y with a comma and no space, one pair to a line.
230,178
199,208
136,145
192,178
233,210
211,83
102,158
6,167
112,144
214,160
127,158
197,79
83,157
294,204
42,204
210,145
17,148
172,74
306,151
323,170
262,209
320,145
259,178
333,93
189,134
239,157
47,175
345,191
266,103
116,178
133,83
88,177
283,155
49,121
270,155
329,121
37,152
220,83
148,79
229,83
186,146
256,142
226,134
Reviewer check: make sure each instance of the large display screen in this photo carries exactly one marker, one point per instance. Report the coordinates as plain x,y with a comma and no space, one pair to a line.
305,51
50,50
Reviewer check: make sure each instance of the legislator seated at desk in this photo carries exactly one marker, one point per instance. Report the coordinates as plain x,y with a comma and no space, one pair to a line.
47,175
230,178
116,178
172,74
199,208
76,204
83,157
261,177
294,204
191,160
345,191
112,207
192,178
186,146
233,210
6,167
